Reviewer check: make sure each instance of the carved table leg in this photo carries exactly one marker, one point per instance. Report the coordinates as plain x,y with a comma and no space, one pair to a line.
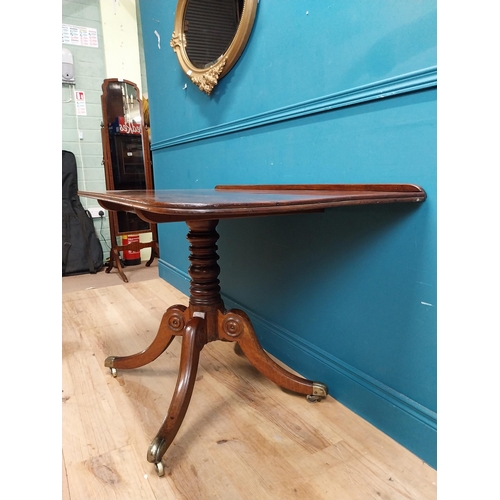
204,321
192,343
171,325
235,325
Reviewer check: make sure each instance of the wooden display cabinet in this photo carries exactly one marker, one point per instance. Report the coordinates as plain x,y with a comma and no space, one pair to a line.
127,165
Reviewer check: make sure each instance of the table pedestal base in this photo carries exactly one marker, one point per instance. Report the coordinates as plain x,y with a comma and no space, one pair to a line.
205,320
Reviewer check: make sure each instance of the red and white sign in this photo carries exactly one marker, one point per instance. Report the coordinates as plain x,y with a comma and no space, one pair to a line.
81,107
129,127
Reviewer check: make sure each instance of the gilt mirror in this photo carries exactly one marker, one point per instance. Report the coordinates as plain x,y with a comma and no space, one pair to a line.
209,37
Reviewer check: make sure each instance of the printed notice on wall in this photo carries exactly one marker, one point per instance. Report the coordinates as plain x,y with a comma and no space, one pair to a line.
81,107
79,35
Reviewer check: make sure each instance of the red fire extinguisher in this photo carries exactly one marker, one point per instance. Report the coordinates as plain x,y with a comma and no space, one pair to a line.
131,257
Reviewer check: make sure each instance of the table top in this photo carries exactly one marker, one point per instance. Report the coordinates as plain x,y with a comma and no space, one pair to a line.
224,202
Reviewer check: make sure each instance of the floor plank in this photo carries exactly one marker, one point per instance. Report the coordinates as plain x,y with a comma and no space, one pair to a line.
242,438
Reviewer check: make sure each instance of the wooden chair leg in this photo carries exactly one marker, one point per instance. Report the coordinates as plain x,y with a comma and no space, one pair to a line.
114,259
118,265
110,262
192,343
172,324
152,257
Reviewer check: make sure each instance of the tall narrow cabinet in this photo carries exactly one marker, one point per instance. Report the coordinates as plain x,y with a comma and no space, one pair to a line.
127,166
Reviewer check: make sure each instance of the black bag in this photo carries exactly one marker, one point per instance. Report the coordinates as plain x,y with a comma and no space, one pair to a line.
81,249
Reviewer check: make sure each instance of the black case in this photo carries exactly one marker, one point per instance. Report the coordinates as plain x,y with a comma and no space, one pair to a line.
81,249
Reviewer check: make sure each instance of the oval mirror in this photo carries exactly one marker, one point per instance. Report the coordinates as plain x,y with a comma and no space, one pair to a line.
209,37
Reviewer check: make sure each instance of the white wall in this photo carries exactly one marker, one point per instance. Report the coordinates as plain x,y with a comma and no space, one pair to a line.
121,41
122,52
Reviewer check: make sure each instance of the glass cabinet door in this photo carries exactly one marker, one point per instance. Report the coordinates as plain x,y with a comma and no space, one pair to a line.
126,147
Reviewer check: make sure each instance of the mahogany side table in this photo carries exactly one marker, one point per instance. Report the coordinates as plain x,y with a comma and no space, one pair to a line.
206,319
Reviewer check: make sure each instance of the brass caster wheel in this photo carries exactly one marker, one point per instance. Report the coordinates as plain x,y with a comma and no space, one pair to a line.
160,470
320,392
313,399
108,362
155,451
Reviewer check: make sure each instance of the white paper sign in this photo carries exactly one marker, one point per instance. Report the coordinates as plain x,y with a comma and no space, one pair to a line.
79,35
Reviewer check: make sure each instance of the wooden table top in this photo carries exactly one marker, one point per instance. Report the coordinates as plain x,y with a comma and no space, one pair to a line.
224,202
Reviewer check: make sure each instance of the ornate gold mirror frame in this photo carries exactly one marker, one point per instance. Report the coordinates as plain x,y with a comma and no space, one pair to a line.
207,78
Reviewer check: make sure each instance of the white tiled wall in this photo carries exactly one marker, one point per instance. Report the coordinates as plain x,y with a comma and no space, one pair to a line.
118,55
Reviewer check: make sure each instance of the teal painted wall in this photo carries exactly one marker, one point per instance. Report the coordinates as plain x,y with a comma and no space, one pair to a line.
325,92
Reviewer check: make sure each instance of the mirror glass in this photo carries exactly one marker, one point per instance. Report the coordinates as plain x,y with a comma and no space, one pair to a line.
209,37
124,128
209,28
123,135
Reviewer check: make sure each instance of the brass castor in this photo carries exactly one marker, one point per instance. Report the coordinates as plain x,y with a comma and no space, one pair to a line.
313,399
320,392
160,470
108,362
155,452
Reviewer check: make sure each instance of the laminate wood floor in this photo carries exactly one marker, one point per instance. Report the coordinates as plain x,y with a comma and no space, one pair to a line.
243,437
